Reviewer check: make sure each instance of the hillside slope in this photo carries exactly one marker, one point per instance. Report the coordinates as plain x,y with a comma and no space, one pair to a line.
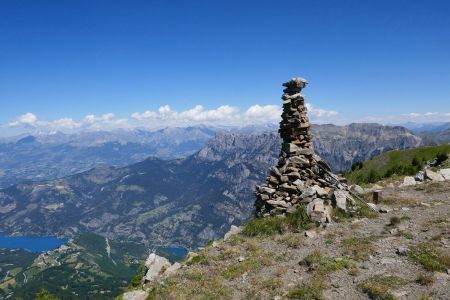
401,254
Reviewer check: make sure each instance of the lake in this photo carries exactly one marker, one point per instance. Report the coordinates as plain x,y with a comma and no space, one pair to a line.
31,243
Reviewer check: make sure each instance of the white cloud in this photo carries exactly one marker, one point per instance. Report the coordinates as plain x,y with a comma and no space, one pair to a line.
25,119
165,116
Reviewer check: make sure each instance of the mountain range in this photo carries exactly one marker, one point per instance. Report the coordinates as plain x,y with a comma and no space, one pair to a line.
50,156
182,202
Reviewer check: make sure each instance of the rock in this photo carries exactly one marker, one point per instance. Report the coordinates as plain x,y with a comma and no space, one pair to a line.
445,173
425,204
156,265
309,192
266,190
433,176
373,206
299,184
241,259
340,199
279,203
420,176
310,233
357,189
234,230
320,191
408,181
135,295
172,269
402,251
384,209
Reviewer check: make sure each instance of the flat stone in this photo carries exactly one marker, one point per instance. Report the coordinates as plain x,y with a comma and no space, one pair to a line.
309,192
266,190
279,203
310,233
135,295
384,209
288,188
445,173
433,176
340,199
299,161
320,191
408,181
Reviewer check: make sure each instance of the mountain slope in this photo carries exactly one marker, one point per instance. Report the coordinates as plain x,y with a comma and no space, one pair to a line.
183,202
341,146
43,157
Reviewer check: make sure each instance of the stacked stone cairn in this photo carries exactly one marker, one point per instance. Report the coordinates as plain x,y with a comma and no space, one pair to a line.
301,177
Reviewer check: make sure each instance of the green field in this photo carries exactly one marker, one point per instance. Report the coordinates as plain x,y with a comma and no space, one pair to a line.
398,162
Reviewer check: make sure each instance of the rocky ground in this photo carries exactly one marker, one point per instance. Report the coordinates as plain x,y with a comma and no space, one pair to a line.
403,253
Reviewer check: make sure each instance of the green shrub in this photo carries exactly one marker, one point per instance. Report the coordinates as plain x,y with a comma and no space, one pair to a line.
430,257
43,294
276,224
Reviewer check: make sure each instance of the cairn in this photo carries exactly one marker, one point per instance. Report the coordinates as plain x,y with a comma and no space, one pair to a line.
301,177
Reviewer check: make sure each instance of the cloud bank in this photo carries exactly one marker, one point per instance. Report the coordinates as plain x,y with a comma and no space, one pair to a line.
165,116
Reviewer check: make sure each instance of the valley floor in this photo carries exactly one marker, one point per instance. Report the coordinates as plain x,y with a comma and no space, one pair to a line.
401,254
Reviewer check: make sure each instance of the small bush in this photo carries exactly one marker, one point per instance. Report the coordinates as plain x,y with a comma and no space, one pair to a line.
424,279
358,248
394,221
264,226
325,264
311,290
441,157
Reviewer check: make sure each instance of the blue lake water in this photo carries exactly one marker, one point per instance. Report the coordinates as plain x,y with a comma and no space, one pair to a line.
177,251
31,243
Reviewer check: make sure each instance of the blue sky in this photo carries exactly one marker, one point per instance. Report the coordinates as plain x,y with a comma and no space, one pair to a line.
365,60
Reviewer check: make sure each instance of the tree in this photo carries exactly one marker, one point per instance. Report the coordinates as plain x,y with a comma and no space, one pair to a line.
43,294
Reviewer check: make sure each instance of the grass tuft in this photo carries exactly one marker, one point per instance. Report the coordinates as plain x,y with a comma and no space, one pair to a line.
379,287
310,290
277,225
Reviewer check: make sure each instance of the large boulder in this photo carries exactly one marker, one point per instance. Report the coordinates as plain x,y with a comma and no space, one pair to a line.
156,266
433,176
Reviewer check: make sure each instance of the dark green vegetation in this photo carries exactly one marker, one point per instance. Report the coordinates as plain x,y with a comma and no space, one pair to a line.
276,224
83,270
43,294
12,263
398,162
